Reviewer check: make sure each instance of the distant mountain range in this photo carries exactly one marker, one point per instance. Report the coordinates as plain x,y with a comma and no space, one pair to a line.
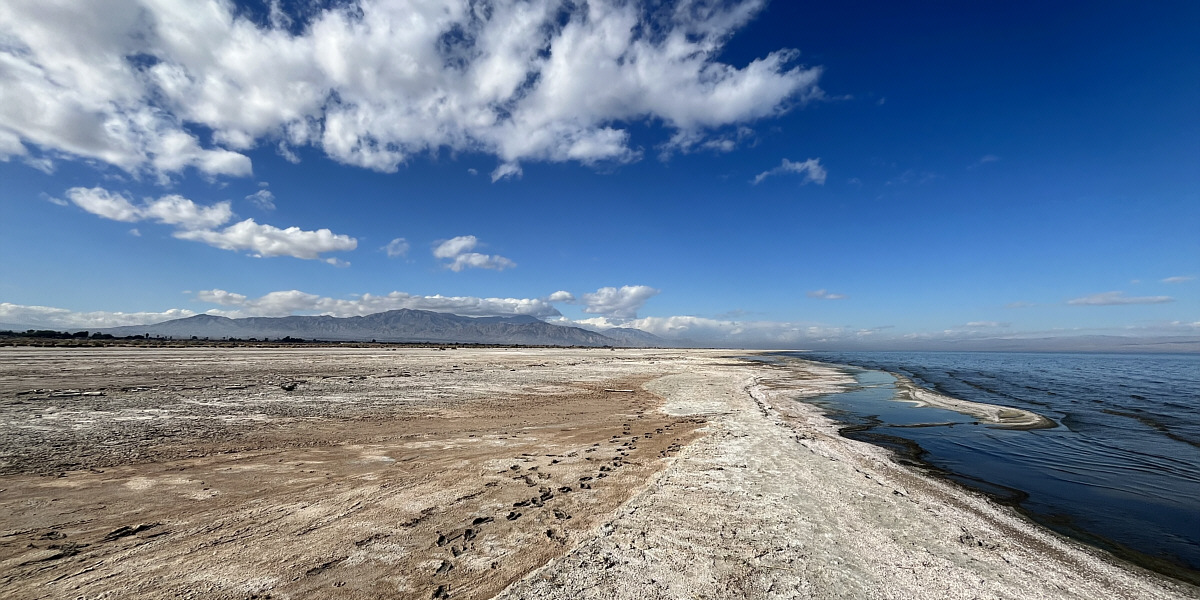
404,325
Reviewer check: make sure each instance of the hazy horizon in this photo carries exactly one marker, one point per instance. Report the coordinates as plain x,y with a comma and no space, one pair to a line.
1030,343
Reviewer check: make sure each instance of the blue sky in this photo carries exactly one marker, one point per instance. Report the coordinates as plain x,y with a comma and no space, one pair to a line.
742,173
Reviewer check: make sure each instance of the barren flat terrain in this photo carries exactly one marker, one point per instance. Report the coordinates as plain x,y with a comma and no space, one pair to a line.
424,473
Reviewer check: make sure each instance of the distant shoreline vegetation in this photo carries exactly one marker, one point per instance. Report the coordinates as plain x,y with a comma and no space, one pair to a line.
48,338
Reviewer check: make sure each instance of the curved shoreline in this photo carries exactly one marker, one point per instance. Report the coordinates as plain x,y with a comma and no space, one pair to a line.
771,501
995,415
998,417
398,474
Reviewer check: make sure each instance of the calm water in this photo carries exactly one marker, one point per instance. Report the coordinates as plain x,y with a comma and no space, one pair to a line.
1122,469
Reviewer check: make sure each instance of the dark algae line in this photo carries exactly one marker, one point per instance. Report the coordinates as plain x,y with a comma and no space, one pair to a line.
1117,468
908,452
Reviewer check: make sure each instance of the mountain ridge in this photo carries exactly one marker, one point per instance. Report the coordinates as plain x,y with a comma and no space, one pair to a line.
400,325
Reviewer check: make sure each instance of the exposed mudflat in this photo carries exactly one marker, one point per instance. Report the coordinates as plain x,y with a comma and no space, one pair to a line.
380,474
319,473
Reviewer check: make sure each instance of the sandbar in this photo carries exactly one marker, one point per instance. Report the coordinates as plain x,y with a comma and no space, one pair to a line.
1005,417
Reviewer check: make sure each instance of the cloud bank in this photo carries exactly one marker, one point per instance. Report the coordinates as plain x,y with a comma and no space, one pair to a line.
160,86
290,302
733,333
199,223
49,317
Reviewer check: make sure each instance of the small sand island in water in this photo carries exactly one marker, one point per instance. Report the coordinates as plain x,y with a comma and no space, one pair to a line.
488,473
999,416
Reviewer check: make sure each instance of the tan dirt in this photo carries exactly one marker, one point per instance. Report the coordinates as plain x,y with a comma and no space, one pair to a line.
412,473
384,474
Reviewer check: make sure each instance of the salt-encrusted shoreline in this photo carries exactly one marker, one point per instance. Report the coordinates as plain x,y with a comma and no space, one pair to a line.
773,503
419,473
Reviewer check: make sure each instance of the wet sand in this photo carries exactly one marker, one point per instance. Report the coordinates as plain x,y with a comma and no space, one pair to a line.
479,473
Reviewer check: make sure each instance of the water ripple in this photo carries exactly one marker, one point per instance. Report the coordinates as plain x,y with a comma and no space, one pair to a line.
1123,467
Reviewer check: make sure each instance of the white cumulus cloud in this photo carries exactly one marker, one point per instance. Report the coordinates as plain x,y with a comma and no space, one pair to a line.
177,210
268,240
811,169
263,199
396,248
455,246
72,81
104,203
160,86
458,252
200,223
618,303
171,209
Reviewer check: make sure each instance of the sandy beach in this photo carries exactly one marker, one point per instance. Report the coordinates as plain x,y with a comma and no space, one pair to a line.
481,473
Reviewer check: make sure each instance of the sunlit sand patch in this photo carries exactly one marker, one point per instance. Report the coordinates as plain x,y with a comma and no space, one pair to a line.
375,458
140,483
